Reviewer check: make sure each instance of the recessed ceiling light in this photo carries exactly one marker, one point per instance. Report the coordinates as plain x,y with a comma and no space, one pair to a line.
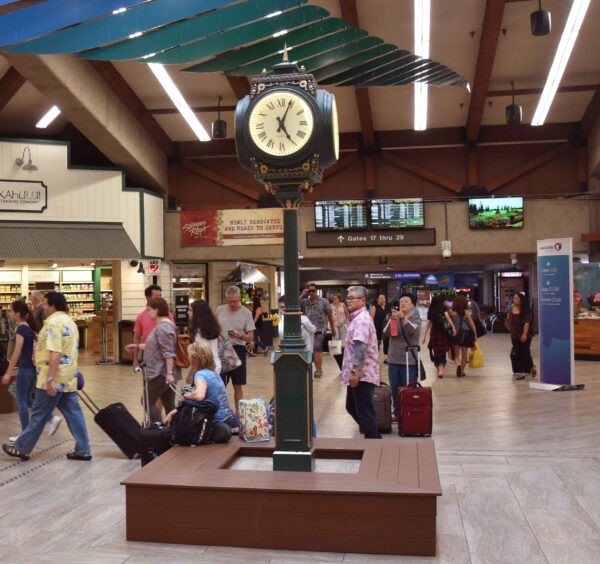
565,47
48,118
177,98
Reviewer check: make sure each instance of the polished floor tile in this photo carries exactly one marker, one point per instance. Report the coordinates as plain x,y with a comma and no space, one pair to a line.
519,471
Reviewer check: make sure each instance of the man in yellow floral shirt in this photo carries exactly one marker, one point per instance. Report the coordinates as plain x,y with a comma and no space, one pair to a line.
56,362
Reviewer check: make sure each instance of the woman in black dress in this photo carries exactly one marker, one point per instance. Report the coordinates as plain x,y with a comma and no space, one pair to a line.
518,323
441,330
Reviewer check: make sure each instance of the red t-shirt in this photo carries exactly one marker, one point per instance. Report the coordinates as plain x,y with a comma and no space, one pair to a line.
144,325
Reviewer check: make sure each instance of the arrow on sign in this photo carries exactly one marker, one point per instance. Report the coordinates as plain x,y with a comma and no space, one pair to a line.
340,238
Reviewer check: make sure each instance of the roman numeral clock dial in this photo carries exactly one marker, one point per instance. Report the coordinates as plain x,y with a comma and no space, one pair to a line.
281,123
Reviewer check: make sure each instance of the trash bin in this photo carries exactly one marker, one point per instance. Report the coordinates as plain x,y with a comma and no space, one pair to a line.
125,338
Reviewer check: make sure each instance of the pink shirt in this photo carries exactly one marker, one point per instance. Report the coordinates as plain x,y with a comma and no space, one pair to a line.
144,325
362,329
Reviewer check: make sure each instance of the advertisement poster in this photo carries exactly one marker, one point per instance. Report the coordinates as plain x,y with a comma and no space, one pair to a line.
199,228
251,227
555,291
232,227
182,303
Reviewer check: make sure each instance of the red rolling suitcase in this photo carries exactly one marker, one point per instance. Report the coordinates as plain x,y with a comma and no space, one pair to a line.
415,405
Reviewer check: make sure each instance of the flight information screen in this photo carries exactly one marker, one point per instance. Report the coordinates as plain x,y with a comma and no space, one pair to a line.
397,213
341,214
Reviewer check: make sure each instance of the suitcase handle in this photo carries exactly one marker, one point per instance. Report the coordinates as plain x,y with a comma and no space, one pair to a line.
415,384
85,398
413,348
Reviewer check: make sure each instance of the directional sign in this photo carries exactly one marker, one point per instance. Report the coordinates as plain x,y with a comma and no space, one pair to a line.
335,239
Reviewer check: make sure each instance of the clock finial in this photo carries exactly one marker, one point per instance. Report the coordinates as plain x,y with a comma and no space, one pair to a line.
285,53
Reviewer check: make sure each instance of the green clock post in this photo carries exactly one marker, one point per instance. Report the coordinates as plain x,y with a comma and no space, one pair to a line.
286,134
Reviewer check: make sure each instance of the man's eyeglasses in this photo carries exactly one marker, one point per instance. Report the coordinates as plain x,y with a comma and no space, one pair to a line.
312,291
351,298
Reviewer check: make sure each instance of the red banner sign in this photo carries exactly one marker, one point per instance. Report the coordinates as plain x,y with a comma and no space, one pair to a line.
199,228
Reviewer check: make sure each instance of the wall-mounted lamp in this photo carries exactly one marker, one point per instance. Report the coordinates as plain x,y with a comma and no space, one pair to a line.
21,161
133,263
219,126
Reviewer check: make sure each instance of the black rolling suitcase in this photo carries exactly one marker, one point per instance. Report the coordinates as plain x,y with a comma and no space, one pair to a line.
116,421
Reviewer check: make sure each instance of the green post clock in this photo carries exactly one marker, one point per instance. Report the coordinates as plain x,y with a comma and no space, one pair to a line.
286,134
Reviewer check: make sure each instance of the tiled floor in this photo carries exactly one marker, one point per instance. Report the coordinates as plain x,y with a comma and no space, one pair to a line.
520,471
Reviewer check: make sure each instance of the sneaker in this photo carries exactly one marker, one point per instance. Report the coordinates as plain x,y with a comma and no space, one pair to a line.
12,440
53,425
318,373
75,456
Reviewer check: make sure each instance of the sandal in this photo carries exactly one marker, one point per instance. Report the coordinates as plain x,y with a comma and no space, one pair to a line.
14,451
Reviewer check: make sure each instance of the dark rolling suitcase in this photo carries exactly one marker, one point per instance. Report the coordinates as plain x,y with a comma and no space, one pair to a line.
116,421
415,405
382,402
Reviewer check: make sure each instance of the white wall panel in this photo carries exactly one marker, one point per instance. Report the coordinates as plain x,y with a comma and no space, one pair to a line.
74,194
153,226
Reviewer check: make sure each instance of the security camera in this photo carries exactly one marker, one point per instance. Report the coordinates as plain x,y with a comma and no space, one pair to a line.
446,249
513,259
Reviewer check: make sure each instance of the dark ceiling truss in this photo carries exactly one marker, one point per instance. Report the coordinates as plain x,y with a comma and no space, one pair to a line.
235,37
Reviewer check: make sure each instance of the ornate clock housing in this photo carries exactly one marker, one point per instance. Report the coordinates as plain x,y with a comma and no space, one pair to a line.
286,129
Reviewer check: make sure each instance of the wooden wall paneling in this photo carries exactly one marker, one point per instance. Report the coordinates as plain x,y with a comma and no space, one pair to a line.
422,172
591,115
224,181
525,168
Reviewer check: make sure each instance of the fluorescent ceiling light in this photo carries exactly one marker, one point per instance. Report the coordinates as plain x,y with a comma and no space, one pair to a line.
422,24
280,33
135,34
273,14
119,11
177,98
565,47
50,116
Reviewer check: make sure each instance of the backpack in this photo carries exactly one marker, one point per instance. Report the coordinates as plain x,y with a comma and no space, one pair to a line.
442,325
193,424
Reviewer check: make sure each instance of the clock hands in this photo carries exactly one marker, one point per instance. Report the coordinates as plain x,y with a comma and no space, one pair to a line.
282,127
281,121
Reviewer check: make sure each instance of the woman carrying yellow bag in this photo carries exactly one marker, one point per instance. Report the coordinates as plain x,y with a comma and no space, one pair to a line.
476,356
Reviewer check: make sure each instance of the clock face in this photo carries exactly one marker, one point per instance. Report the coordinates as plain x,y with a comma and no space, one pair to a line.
281,123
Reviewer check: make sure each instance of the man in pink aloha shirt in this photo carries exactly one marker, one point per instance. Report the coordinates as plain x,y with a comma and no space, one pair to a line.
360,371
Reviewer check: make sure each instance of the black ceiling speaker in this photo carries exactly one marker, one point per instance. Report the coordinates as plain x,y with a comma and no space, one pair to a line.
219,126
514,112
541,22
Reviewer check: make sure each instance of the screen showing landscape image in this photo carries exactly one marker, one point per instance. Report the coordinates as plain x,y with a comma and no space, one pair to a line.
496,213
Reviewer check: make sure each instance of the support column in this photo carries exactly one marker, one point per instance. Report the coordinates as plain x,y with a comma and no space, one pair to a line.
293,362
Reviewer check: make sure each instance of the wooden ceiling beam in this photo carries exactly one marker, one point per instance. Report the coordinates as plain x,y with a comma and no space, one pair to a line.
228,183
349,11
490,33
240,85
408,139
421,172
195,109
591,114
528,167
131,100
528,91
10,84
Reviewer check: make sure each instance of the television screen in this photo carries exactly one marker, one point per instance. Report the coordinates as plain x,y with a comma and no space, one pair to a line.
496,213
397,213
341,214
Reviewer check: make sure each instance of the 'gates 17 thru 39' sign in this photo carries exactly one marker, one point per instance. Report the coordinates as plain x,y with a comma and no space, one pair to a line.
23,196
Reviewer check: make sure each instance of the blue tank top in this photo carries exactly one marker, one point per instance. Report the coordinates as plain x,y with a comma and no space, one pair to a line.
26,358
215,392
